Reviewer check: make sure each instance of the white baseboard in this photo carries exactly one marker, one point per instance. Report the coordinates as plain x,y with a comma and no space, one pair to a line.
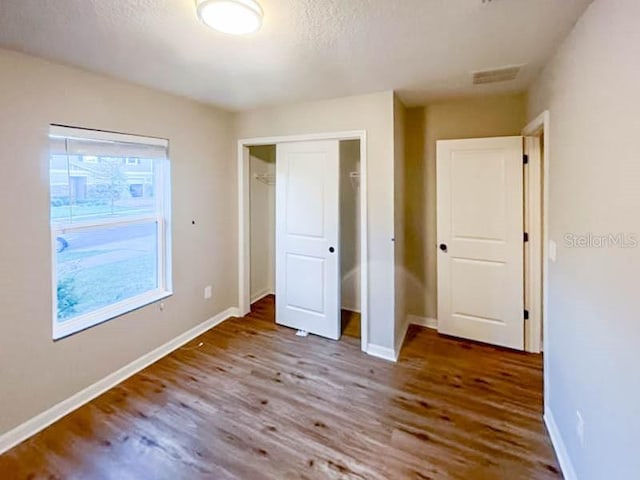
558,444
385,353
32,426
423,321
260,295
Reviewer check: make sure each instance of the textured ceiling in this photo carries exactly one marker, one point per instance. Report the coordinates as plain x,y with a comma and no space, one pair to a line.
307,49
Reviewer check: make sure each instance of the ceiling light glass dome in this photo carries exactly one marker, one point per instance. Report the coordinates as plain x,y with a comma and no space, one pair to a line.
234,17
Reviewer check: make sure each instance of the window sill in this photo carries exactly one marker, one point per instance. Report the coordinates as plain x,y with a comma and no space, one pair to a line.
83,322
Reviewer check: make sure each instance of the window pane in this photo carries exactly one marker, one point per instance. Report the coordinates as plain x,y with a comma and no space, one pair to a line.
103,266
59,188
89,188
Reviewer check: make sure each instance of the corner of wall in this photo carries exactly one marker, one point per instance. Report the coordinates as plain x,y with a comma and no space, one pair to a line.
401,335
559,446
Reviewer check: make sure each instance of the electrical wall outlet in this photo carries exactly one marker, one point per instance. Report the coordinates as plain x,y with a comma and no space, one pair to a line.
580,427
208,292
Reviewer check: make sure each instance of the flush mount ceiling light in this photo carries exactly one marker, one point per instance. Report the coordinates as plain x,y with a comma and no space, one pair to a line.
235,17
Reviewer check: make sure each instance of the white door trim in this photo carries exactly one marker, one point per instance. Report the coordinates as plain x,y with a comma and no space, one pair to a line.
244,240
536,128
533,248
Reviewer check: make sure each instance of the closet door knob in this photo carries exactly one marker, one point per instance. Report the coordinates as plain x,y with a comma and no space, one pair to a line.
331,249
443,247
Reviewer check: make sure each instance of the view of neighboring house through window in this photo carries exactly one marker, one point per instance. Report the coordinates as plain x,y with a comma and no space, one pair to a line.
109,224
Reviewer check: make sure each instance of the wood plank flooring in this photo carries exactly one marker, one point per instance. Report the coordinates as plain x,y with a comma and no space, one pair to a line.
255,401
350,324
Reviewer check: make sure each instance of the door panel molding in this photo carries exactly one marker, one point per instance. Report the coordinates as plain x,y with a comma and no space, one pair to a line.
480,230
308,237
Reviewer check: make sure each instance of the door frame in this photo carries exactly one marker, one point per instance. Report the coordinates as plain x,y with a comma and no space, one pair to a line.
538,274
244,225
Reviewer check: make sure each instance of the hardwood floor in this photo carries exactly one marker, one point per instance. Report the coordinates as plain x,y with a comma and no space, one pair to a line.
255,401
350,324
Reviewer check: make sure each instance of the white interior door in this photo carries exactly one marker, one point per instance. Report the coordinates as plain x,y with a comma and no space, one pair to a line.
307,237
480,237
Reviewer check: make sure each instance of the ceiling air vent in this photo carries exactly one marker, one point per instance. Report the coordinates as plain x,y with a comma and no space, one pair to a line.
504,74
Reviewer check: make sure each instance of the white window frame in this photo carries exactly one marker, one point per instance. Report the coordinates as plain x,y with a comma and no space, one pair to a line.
162,218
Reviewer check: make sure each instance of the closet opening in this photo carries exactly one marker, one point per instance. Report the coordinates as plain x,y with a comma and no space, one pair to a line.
263,176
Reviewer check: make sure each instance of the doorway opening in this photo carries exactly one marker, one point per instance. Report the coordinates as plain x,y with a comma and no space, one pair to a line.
350,237
260,202
492,235
536,147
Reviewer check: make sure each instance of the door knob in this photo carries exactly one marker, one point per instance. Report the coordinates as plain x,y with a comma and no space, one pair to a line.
443,247
331,249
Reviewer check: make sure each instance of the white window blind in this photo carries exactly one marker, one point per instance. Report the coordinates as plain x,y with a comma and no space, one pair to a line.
74,141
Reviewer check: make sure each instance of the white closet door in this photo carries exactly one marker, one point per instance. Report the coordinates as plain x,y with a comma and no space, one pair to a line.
480,237
307,237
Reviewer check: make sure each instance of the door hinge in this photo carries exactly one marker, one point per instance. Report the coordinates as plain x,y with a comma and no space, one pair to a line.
525,159
526,237
526,314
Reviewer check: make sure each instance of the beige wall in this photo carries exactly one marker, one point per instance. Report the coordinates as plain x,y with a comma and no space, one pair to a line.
592,90
490,116
373,113
399,188
263,222
36,372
